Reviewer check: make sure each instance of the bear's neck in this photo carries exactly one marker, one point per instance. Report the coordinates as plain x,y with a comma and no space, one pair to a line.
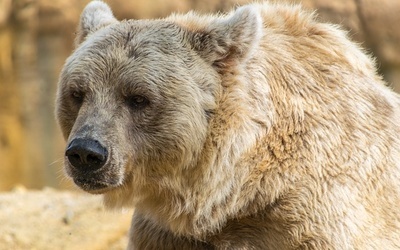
243,168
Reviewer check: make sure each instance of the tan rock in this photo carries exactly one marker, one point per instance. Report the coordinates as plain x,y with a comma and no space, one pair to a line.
5,11
52,219
147,9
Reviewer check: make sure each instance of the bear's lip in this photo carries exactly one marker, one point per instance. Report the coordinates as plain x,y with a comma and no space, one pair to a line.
93,186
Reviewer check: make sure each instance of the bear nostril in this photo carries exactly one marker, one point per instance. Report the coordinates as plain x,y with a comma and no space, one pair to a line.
86,154
73,157
93,158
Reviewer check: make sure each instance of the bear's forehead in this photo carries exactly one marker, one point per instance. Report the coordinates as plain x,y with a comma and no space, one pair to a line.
131,48
138,33
145,39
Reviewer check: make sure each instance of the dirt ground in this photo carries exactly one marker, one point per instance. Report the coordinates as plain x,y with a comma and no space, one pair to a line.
52,219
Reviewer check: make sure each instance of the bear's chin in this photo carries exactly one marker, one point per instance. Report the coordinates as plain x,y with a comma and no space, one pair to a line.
93,186
94,181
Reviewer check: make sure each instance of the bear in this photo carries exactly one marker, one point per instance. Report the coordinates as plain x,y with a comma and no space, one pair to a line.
260,128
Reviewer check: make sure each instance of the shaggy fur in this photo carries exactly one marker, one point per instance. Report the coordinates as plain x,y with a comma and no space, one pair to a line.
262,129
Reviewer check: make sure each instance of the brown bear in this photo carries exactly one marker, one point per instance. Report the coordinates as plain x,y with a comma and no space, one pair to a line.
257,129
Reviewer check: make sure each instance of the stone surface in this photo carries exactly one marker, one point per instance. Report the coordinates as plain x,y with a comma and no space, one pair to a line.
51,219
5,11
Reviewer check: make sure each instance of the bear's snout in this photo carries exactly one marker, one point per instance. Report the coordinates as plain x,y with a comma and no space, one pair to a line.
86,154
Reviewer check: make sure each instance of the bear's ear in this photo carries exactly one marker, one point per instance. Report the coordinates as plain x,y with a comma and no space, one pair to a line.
231,38
95,16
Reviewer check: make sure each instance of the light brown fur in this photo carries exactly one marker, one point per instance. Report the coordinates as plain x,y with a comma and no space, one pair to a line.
265,130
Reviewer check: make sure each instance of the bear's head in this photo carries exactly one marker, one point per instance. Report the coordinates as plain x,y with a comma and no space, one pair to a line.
136,98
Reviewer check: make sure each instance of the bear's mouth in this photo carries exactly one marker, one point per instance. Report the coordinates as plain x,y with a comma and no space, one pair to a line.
93,186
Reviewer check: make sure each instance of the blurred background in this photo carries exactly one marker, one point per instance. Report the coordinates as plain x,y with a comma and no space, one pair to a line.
36,36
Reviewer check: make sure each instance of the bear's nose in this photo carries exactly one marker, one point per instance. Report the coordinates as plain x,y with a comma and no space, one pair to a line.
86,154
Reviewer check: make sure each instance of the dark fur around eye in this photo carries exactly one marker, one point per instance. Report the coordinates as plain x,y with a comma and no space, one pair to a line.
77,96
137,101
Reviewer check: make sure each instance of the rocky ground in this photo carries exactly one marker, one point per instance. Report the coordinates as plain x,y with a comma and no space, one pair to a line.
51,219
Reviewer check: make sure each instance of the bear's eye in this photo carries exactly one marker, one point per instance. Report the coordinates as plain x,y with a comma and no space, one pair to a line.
137,101
77,96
